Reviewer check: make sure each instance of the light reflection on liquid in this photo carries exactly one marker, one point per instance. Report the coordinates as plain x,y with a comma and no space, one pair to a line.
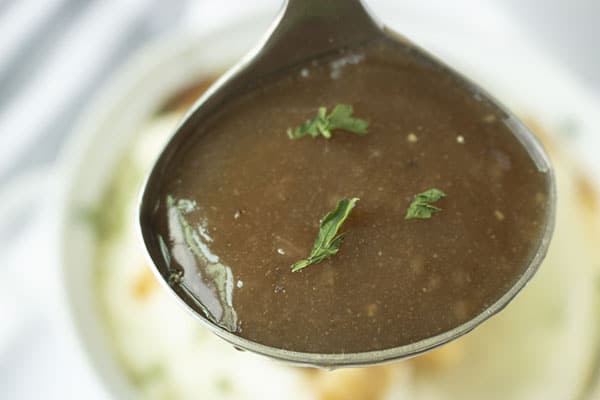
199,270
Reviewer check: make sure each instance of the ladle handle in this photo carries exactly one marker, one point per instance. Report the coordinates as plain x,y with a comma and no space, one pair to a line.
350,17
308,28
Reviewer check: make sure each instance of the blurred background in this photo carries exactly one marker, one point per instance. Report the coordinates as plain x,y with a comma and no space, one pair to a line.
57,55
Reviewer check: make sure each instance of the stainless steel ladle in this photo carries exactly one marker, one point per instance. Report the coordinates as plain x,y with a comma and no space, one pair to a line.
305,30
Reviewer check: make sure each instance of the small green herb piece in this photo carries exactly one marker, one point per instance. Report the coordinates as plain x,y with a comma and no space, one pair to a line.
224,384
421,207
328,240
339,118
152,375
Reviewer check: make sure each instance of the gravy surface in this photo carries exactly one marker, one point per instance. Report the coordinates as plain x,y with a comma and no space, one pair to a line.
242,203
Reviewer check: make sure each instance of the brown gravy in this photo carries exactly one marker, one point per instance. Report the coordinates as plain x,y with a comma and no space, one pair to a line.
243,203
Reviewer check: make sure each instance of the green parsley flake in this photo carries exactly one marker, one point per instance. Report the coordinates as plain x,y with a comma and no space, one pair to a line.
421,207
328,240
323,124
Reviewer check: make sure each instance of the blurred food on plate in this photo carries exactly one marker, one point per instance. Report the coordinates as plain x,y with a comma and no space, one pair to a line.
545,345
